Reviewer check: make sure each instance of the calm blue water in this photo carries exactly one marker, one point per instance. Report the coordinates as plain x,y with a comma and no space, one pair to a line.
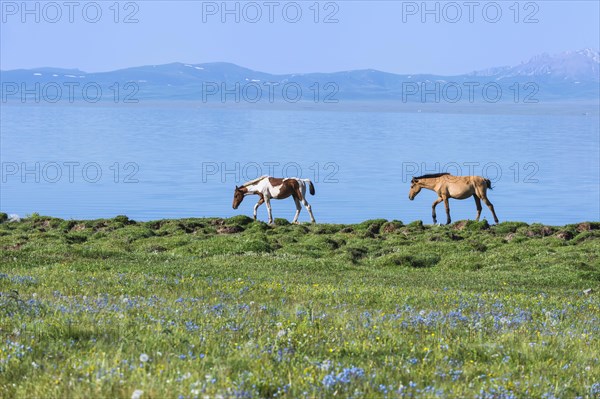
175,161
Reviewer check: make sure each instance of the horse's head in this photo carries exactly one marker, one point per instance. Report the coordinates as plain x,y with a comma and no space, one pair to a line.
415,188
238,197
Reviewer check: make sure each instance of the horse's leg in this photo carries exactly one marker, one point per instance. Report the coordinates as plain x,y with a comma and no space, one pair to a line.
261,200
478,205
301,193
309,209
447,210
268,204
489,205
298,209
433,215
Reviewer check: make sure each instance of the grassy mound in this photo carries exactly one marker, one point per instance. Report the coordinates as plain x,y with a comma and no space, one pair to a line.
237,308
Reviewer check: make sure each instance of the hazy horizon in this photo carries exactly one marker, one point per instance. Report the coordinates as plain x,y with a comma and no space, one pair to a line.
282,73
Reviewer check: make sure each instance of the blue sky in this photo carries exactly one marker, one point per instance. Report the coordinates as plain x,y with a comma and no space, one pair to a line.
385,35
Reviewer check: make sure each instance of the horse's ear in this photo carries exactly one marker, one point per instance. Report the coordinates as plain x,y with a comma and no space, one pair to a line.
414,180
236,188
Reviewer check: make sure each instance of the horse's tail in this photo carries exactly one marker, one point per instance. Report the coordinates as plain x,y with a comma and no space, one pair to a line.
488,183
311,187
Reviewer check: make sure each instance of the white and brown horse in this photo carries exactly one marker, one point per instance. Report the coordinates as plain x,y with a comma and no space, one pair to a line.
459,187
267,187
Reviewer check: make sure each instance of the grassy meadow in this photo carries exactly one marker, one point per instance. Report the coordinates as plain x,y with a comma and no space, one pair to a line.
232,308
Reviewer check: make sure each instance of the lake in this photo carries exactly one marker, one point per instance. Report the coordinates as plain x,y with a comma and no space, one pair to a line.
174,160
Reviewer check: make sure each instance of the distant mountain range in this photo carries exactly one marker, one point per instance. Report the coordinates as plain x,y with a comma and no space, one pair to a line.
572,75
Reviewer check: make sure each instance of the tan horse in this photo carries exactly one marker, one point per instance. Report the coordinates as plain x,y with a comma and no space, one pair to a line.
459,187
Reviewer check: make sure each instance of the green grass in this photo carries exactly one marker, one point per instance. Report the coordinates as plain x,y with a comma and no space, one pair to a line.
235,308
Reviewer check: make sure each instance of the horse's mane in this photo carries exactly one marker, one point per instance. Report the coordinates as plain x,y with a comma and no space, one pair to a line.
431,175
251,182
